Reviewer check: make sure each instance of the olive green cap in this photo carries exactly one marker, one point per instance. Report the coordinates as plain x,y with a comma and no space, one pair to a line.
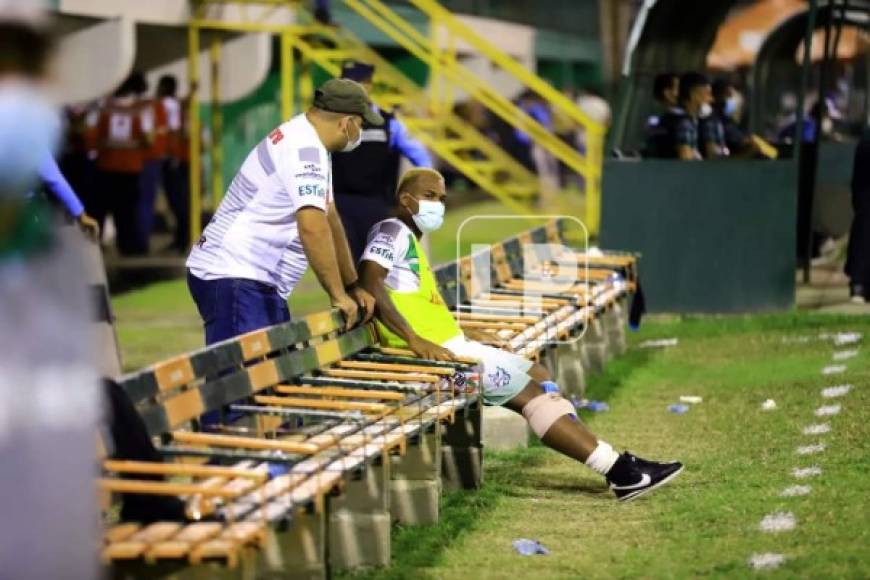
346,96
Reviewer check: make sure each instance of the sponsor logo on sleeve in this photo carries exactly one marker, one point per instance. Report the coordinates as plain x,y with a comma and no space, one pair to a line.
312,190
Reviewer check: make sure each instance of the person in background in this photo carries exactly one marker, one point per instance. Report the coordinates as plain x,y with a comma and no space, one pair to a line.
680,124
666,88
726,113
545,165
364,180
176,168
858,255
155,121
278,216
122,142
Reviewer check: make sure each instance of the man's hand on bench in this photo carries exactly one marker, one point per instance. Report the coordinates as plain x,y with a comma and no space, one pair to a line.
429,350
365,300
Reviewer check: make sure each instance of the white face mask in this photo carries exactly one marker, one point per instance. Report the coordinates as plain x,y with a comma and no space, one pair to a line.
351,144
430,215
29,130
705,111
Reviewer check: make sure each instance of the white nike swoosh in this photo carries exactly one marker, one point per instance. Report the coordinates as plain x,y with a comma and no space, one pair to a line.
644,481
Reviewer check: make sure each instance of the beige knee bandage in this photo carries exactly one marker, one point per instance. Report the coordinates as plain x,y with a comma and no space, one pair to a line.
544,410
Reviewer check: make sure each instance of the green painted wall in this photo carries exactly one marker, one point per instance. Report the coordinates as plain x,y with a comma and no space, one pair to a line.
714,236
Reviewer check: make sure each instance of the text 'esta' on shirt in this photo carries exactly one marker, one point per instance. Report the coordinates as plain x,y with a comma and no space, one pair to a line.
253,234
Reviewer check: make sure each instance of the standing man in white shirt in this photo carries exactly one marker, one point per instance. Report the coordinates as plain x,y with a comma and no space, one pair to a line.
278,216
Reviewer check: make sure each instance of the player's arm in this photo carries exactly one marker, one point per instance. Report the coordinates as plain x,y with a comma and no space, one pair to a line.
372,276
345,263
316,236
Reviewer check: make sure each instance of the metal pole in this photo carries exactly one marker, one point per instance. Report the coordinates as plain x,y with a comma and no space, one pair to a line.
217,123
193,119
799,125
286,76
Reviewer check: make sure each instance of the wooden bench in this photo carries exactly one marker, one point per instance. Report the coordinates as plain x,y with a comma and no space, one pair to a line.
333,410
327,438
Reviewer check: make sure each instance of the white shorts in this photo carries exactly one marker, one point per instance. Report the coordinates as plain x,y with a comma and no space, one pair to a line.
504,373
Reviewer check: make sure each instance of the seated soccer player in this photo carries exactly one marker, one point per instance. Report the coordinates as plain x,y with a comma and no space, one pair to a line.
412,314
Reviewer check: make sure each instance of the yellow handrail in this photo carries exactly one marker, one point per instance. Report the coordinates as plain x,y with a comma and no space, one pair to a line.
391,24
437,12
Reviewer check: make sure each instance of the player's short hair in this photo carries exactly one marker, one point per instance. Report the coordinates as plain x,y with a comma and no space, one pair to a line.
410,178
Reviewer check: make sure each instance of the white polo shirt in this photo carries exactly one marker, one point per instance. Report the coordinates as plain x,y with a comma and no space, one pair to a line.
253,234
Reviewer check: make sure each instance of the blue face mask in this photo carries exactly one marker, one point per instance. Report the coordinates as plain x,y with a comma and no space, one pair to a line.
430,216
29,130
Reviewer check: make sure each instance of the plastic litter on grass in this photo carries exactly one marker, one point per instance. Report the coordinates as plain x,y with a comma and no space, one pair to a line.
691,399
768,405
525,547
678,409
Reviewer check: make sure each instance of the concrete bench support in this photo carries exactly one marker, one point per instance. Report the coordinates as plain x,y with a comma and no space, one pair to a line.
415,488
461,450
503,429
594,348
359,519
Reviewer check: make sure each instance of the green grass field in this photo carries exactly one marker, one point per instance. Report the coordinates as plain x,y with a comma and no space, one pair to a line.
738,460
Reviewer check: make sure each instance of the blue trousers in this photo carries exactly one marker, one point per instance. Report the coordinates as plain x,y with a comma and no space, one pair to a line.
233,306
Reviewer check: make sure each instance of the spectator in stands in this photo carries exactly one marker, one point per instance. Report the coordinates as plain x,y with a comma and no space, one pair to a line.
545,165
277,216
680,137
858,256
666,88
412,314
365,179
122,141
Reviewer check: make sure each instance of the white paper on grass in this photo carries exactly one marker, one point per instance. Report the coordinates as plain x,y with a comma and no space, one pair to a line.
842,355
834,369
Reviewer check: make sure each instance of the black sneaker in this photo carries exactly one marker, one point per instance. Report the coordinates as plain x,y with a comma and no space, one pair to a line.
631,476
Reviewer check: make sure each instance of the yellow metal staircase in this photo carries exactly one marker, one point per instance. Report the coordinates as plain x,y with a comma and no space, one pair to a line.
438,52
444,133
427,114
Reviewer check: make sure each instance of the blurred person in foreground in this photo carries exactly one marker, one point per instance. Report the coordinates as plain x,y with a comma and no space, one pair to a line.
365,178
680,137
858,256
48,383
412,314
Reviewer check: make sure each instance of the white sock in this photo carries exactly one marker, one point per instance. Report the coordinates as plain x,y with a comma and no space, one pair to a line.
602,459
